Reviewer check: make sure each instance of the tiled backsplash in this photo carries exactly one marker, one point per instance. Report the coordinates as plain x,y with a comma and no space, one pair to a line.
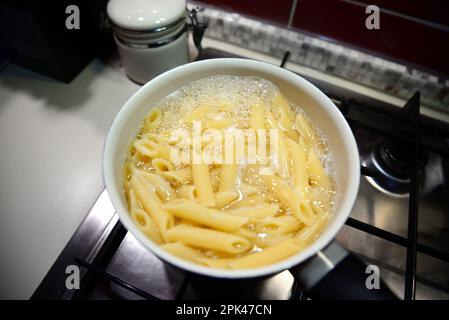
338,60
415,33
414,41
270,10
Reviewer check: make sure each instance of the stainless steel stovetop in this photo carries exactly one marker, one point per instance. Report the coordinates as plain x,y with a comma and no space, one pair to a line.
381,230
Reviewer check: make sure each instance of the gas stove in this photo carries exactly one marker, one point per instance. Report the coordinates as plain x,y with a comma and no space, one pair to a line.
400,221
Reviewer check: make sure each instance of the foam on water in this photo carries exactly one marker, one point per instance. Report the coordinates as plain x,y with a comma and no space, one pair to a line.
230,96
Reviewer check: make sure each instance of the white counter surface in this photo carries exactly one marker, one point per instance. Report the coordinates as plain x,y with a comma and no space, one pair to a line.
51,141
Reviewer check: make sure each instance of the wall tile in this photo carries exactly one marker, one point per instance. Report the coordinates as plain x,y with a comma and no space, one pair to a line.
270,10
400,39
400,80
436,11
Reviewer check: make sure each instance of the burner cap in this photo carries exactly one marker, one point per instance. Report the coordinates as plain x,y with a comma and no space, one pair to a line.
394,162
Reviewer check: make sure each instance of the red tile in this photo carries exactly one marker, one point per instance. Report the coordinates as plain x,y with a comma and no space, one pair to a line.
270,10
398,39
436,11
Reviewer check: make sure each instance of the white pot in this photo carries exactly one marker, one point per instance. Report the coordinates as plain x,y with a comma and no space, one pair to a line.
317,105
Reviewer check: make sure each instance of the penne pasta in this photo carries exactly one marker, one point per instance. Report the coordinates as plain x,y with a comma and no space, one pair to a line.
224,198
228,168
283,161
222,263
198,113
299,165
152,149
146,194
193,211
270,255
183,251
246,233
320,200
264,240
203,185
282,103
214,254
248,202
177,177
318,176
188,192
278,225
139,159
248,190
305,130
162,165
208,239
306,209
308,235
163,188
227,173
287,196
285,113
156,138
146,225
133,201
152,120
257,212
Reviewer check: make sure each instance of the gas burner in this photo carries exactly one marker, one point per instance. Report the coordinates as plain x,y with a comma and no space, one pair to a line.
393,163
394,160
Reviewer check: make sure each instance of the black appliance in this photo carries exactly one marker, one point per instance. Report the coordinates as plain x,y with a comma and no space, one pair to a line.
34,35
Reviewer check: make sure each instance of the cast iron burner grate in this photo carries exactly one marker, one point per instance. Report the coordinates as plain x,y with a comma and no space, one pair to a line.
401,127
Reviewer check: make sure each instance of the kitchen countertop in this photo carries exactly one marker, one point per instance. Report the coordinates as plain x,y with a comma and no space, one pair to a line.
51,138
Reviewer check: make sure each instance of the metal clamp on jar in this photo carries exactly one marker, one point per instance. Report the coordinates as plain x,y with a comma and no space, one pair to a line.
151,36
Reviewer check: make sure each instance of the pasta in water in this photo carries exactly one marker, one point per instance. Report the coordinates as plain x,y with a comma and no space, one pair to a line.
227,173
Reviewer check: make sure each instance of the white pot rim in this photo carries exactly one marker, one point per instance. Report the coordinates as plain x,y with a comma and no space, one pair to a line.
347,200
